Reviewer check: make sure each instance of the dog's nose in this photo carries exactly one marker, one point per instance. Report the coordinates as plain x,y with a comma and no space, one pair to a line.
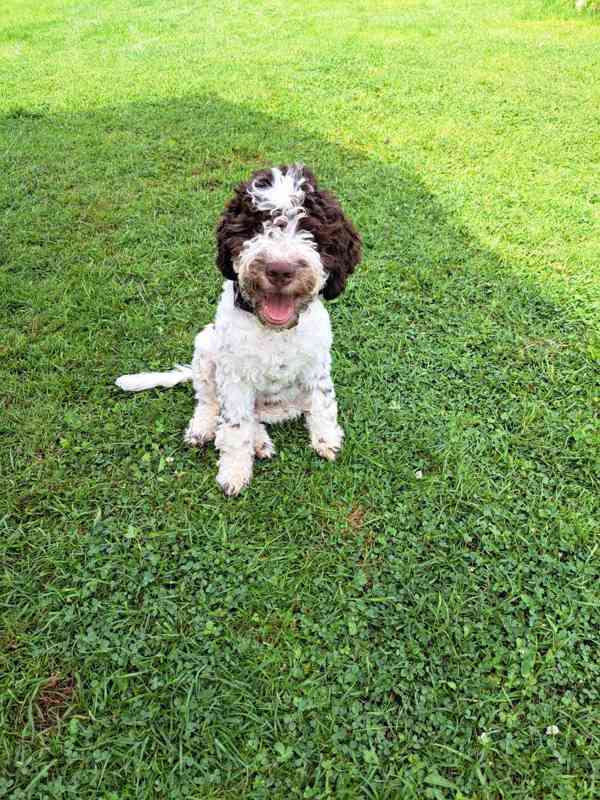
280,273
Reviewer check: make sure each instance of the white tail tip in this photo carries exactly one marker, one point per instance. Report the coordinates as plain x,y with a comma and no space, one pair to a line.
150,380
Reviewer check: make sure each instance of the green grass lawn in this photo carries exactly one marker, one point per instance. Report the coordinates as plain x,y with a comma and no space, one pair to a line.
418,620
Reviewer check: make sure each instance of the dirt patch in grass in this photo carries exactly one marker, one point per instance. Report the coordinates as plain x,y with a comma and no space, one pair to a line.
356,518
53,700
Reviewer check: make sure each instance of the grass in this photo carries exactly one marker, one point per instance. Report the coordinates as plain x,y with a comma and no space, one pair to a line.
419,620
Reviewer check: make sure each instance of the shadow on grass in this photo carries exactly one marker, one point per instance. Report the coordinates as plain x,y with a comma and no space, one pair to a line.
465,391
108,267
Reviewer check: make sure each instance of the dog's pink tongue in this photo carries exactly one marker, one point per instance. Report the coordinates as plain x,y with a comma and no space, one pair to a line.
278,309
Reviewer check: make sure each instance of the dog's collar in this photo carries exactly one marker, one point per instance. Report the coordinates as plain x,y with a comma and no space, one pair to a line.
239,301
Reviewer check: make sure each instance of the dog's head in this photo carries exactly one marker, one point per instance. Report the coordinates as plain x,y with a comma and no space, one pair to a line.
283,241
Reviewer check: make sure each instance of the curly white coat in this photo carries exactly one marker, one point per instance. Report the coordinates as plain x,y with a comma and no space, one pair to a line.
245,375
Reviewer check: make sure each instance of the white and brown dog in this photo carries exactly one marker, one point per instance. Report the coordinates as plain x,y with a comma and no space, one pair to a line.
282,244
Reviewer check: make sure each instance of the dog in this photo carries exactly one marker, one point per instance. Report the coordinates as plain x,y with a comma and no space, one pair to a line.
283,245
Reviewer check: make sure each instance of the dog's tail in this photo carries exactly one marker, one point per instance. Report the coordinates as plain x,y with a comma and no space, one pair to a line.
150,380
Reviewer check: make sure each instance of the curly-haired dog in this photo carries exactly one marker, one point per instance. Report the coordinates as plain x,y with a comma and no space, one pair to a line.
282,244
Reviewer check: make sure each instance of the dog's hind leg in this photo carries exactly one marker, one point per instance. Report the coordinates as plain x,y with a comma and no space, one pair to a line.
263,446
203,424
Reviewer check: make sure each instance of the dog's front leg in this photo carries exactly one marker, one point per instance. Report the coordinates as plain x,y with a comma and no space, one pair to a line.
326,436
235,436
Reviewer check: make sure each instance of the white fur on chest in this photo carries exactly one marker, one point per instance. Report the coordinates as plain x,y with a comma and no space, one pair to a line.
272,362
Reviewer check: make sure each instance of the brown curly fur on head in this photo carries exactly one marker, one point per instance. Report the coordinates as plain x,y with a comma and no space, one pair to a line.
337,241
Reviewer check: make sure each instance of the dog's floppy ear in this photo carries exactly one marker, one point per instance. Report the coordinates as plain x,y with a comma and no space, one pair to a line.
338,241
341,253
239,222
224,243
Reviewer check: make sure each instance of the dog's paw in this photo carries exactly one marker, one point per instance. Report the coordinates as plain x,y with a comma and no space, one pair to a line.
263,446
326,451
200,431
328,446
265,449
195,438
232,478
232,486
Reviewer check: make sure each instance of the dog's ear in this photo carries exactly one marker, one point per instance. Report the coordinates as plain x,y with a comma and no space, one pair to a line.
338,241
239,222
341,253
225,240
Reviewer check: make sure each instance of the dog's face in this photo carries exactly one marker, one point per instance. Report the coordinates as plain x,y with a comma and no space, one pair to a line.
284,241
279,272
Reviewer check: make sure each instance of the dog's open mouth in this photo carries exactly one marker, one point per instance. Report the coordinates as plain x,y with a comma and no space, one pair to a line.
278,309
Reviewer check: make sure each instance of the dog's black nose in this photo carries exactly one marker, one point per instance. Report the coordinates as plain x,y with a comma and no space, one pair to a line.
280,273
